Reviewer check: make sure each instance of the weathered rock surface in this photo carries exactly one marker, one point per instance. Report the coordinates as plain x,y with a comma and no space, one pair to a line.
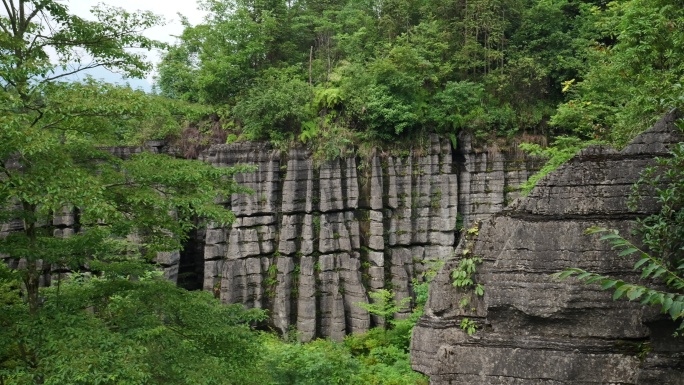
489,177
64,223
533,329
313,240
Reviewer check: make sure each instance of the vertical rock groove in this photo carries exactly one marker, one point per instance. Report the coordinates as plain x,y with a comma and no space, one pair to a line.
314,239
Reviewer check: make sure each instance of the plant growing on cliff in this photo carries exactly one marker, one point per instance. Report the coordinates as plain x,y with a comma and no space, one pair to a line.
384,305
469,326
670,300
462,275
562,150
271,280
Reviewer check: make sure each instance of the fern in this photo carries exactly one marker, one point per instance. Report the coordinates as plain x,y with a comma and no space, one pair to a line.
670,302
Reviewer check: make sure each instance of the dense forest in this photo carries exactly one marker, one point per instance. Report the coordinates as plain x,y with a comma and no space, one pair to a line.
333,75
385,70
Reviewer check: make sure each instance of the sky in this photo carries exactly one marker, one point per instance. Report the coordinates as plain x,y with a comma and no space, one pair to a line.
168,9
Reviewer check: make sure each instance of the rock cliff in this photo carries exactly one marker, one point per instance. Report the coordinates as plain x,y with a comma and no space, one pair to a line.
64,223
313,239
533,329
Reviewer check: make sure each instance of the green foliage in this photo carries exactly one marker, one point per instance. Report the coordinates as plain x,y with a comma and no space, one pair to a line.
463,275
274,106
153,196
316,363
111,331
421,284
34,27
387,114
458,106
628,84
271,280
468,325
384,305
220,58
671,303
663,233
551,43
102,327
53,155
396,69
379,356
328,98
383,353
562,150
323,362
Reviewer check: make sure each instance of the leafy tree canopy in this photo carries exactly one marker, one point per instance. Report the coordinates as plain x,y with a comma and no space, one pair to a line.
401,68
116,331
117,323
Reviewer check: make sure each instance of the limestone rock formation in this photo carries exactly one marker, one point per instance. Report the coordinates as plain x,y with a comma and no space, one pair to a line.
489,177
64,223
313,239
533,329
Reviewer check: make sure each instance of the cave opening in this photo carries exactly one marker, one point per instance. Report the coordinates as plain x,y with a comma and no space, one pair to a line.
191,265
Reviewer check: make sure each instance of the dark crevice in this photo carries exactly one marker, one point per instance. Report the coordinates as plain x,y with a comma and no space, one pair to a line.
531,217
191,265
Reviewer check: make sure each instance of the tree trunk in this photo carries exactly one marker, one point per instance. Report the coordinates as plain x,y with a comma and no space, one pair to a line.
32,278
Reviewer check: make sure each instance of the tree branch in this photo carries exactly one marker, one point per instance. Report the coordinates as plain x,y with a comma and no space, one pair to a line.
56,122
80,69
22,24
33,14
12,15
39,117
7,31
4,169
136,184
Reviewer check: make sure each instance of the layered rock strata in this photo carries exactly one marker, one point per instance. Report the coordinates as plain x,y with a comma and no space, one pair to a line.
65,223
489,176
532,329
313,240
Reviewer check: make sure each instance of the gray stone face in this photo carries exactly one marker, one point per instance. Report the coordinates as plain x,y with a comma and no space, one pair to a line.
334,230
533,329
306,300
282,311
64,224
314,238
489,178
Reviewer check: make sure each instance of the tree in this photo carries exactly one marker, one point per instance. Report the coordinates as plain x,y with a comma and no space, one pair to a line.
51,156
31,28
634,72
54,160
219,59
384,305
112,330
275,106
